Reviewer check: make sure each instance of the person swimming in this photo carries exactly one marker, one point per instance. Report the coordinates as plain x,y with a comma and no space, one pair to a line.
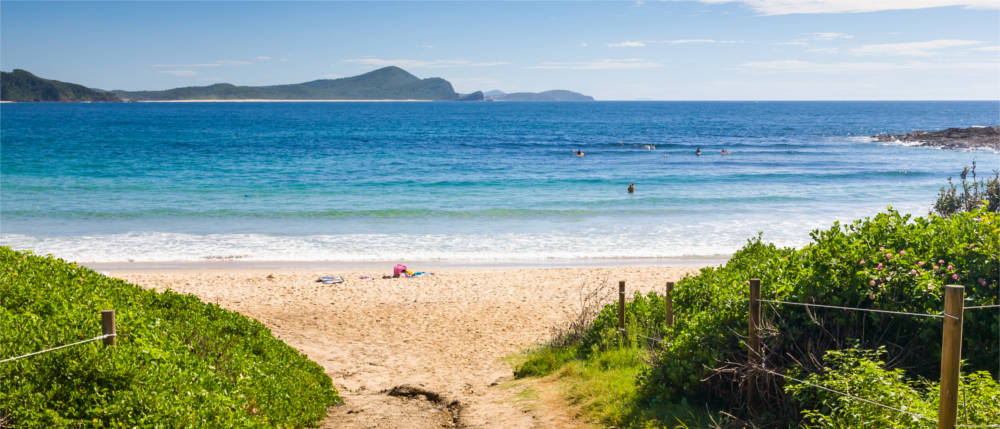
697,151
725,152
578,152
631,188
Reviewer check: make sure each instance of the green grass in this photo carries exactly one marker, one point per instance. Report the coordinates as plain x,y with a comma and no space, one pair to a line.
604,385
179,362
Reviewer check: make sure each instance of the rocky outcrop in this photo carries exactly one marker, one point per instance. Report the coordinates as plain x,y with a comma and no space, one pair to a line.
951,138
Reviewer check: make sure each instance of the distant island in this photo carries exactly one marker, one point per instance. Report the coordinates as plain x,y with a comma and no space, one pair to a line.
951,138
20,85
387,83
554,95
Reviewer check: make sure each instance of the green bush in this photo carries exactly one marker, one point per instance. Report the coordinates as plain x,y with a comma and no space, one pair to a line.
179,362
864,374
890,261
975,193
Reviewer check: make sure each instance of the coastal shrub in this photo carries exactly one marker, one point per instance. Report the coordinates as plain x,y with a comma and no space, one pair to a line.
890,261
864,373
974,193
179,362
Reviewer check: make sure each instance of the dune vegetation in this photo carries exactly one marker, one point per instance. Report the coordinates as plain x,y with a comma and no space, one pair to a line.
178,362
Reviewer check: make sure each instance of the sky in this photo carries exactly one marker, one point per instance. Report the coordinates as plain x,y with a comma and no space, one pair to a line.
637,50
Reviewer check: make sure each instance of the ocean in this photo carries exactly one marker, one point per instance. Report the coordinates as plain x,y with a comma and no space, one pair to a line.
478,183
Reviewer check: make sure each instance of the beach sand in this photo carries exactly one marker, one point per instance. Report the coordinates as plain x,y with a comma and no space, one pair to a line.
447,334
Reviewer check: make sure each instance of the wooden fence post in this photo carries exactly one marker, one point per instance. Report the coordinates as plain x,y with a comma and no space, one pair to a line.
753,334
670,305
621,308
951,355
754,325
108,327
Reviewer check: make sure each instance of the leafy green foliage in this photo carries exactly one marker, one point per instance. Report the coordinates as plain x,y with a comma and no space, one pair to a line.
864,374
20,85
179,361
890,261
974,193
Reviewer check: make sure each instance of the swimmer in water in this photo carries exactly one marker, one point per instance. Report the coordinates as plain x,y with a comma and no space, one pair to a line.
697,151
725,152
631,188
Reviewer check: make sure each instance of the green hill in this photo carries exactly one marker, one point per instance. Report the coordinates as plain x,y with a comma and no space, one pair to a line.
179,362
21,85
388,83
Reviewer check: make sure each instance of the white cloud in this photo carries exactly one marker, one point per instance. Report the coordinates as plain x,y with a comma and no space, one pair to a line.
642,43
823,50
913,49
627,44
263,58
583,44
409,63
180,73
798,66
690,41
987,49
604,64
426,46
830,36
784,7
331,76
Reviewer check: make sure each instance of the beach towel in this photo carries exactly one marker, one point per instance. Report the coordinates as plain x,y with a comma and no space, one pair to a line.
328,280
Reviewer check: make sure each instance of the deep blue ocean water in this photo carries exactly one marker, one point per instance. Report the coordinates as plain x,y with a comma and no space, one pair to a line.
487,182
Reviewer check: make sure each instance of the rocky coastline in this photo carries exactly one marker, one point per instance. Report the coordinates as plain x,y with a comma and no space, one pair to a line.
951,138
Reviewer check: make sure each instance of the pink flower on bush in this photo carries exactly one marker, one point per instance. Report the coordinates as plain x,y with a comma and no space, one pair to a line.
935,268
862,262
921,263
913,272
881,248
871,283
931,287
941,261
951,267
943,274
954,276
879,267
982,281
902,252
888,256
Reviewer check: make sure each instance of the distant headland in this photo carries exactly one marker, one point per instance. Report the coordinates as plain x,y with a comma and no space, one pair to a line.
384,84
951,138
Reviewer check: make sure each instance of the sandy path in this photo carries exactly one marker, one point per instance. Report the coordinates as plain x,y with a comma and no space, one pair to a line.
445,333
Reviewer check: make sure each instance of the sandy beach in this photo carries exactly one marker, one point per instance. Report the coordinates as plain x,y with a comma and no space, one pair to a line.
446,334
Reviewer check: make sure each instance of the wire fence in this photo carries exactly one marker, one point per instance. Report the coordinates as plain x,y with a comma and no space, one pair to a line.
943,315
870,310
100,337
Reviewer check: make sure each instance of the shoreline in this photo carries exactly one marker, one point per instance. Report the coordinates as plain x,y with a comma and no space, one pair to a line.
418,265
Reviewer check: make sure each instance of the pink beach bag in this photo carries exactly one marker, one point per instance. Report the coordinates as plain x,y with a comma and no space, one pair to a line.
398,269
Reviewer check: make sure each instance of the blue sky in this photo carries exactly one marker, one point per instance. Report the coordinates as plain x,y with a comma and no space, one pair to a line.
662,50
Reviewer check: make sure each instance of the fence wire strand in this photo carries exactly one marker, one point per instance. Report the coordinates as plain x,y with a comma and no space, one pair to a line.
872,310
977,307
867,401
59,347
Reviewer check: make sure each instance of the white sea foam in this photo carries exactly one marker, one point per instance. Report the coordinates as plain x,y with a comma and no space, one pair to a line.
640,241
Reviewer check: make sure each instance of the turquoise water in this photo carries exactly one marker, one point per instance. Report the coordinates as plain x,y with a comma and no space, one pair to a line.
457,181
